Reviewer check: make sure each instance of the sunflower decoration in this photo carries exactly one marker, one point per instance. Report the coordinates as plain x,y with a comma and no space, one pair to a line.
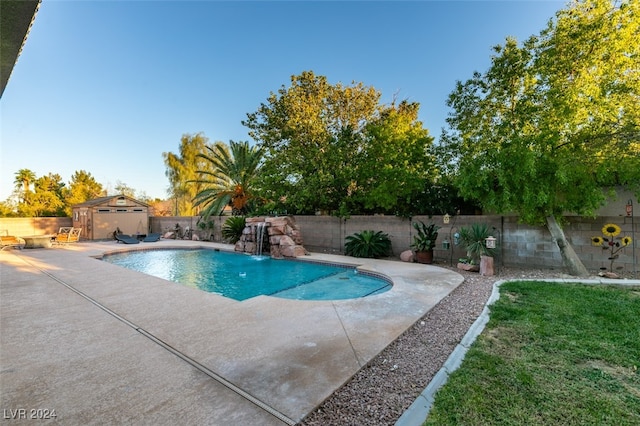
611,230
608,242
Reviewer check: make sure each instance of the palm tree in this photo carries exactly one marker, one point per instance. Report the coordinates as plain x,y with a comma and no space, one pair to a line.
24,179
231,179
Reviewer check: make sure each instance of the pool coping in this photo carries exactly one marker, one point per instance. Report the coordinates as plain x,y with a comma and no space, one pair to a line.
288,354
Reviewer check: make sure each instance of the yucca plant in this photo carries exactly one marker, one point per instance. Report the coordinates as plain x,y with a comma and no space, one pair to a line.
369,244
232,228
473,241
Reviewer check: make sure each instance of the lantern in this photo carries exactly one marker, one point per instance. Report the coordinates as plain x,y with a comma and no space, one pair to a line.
490,242
446,218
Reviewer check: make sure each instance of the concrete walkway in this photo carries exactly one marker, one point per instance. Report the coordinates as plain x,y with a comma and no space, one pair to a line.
101,344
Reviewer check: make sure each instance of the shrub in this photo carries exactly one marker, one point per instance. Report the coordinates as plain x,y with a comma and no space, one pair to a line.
368,244
232,228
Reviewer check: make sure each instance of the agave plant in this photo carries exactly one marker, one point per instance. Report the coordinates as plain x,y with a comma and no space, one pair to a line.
232,228
368,244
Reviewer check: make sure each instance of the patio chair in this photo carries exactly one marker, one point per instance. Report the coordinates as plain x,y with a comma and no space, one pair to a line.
126,239
152,238
67,235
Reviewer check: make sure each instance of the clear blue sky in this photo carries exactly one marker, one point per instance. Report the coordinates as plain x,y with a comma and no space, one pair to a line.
108,86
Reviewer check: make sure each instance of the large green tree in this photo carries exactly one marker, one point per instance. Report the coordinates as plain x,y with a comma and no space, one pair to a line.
182,171
310,132
230,179
553,122
335,148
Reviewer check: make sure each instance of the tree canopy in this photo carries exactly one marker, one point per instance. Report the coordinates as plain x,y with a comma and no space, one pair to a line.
48,195
335,148
182,171
82,187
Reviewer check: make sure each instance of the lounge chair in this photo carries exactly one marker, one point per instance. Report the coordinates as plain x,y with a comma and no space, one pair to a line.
126,239
67,235
152,238
11,241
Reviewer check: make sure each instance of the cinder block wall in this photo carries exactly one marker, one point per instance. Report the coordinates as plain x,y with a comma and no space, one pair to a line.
519,244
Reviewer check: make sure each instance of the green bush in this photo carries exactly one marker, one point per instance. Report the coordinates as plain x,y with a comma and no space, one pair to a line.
368,244
232,228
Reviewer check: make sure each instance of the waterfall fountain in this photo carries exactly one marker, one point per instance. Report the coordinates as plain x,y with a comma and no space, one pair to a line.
260,230
283,237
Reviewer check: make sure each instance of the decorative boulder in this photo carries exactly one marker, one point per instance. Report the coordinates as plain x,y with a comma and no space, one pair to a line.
468,267
292,251
406,256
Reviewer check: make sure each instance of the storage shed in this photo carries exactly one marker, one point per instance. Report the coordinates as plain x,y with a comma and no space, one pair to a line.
100,217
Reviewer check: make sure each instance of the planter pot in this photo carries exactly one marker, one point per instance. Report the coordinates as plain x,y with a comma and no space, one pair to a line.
468,267
424,256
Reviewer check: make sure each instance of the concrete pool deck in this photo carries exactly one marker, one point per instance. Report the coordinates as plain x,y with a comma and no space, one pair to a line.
101,344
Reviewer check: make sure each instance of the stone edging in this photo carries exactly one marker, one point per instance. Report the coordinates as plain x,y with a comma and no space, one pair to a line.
417,412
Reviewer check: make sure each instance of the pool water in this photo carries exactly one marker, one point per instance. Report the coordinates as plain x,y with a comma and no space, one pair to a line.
240,276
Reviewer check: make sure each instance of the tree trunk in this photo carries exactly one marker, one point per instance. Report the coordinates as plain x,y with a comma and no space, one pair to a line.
569,256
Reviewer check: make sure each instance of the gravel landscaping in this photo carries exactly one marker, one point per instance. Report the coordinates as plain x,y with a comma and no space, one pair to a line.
381,391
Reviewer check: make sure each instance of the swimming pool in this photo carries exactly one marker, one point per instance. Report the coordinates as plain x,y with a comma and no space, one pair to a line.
240,276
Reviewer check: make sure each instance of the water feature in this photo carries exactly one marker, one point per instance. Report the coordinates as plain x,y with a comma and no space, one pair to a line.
261,228
283,237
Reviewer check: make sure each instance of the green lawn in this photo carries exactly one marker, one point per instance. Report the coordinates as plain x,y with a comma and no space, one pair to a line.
551,354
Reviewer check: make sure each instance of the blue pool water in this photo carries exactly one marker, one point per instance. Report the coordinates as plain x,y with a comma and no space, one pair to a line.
241,276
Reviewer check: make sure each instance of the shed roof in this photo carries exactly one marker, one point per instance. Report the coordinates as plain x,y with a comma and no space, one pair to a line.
110,200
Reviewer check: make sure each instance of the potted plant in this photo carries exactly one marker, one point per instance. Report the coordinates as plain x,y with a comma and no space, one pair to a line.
473,240
424,241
